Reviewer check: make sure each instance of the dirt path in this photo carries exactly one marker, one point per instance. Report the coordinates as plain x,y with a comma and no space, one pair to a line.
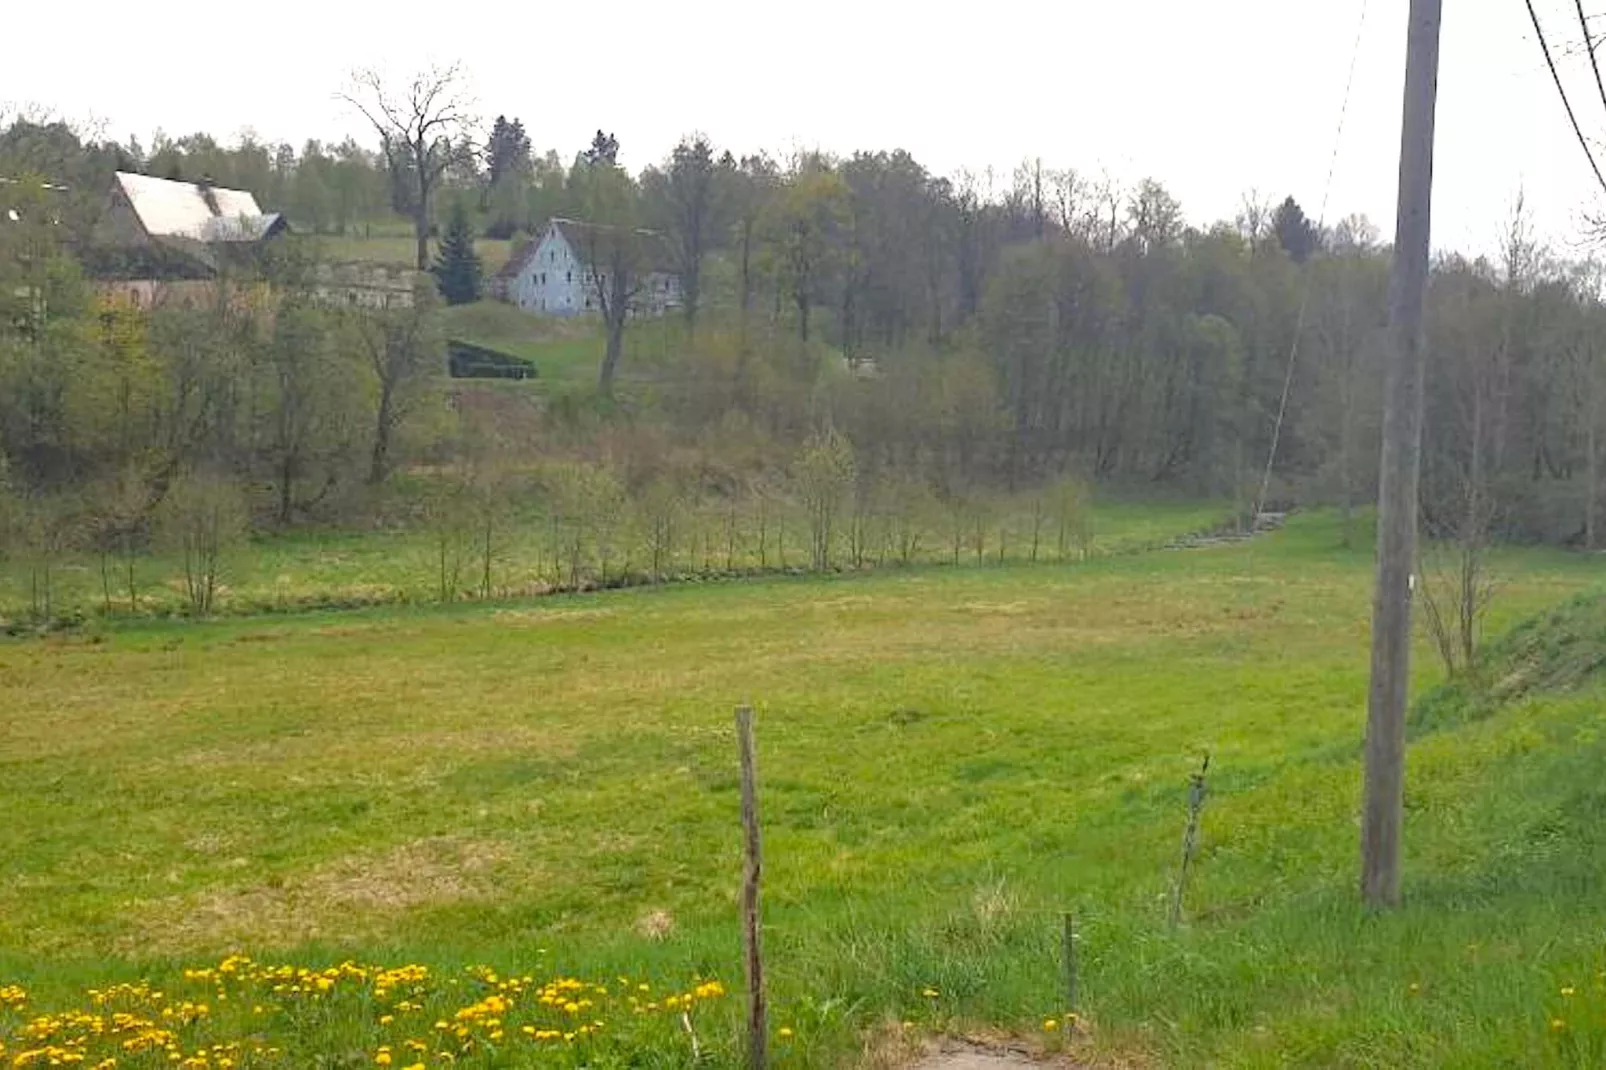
1264,522
953,1054
971,1060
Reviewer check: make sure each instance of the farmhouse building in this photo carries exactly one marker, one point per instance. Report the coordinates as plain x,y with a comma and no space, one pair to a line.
553,273
160,241
194,222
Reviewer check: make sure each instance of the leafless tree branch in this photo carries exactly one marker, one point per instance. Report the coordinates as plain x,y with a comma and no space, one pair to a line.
429,127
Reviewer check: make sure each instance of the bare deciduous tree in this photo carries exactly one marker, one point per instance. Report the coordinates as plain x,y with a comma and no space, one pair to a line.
425,127
826,472
1254,218
616,259
403,352
1072,506
1463,508
201,517
660,512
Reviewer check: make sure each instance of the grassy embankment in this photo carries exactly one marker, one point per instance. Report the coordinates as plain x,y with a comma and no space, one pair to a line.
949,757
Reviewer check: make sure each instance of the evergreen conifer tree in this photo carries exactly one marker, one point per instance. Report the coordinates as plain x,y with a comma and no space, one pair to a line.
457,266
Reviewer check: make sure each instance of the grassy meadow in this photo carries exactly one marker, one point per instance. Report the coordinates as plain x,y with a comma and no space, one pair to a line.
566,352
393,245
518,806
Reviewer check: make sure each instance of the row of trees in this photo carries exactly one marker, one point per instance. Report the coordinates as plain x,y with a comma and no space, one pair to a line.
489,526
1003,332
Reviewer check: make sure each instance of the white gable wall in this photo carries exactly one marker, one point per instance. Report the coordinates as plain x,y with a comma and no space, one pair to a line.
550,282
555,282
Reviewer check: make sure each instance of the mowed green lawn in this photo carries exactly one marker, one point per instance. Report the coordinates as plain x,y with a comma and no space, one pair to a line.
949,758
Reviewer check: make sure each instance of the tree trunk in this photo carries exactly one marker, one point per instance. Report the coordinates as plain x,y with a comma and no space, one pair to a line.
485,574
1591,483
421,234
421,208
286,470
377,469
1346,477
691,293
1591,398
610,359
128,560
747,270
803,316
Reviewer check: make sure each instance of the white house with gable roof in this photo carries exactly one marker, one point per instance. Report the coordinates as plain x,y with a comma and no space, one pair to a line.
552,273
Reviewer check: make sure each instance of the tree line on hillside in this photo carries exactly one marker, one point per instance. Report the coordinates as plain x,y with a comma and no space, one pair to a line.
957,331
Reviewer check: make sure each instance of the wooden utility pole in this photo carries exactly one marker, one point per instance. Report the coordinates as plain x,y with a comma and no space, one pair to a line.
1384,804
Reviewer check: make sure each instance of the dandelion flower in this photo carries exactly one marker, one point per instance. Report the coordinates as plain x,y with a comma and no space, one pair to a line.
930,993
1567,990
1557,1023
1049,1025
785,1033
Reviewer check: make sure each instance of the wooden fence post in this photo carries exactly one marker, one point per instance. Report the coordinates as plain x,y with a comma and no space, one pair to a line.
1190,837
757,1026
1070,967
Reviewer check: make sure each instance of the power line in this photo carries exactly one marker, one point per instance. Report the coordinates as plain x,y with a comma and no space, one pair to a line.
1555,76
1589,46
1304,295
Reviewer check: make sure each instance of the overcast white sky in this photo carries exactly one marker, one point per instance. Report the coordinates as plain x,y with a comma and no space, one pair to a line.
1212,97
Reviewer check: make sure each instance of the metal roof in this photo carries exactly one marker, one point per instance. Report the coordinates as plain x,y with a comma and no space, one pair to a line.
209,214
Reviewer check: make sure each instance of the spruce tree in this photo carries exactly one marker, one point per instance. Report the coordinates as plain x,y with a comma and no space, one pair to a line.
1298,236
457,266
